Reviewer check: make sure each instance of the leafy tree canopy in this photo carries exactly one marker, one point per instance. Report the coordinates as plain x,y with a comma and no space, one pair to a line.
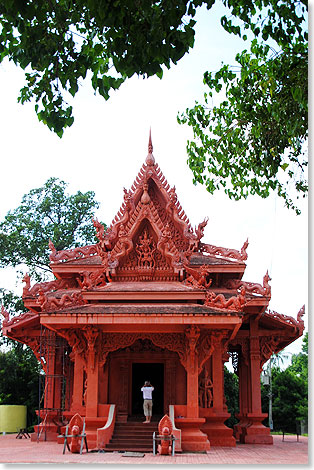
252,143
57,42
290,400
299,363
46,213
19,371
231,389
254,140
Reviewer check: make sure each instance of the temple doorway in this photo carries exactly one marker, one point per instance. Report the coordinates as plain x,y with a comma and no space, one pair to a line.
154,372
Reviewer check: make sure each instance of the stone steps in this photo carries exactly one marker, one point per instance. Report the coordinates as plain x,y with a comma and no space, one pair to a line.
132,436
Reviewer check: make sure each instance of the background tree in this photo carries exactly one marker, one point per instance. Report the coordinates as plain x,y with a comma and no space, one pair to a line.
289,392
299,367
290,399
251,143
46,213
231,382
19,371
299,362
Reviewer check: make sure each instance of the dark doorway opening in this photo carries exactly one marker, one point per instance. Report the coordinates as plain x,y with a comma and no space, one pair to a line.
154,372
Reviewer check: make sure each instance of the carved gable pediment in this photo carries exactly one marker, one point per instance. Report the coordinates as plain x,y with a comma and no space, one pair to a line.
150,237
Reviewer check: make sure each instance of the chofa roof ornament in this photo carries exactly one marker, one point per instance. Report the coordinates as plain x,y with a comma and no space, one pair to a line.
150,160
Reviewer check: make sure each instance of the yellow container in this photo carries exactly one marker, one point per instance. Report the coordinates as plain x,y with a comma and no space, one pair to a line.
12,418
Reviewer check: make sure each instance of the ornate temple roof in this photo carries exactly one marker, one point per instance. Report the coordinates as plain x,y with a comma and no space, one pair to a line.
151,254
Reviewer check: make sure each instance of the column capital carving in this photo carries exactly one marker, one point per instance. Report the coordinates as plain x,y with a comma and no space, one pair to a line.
77,341
268,346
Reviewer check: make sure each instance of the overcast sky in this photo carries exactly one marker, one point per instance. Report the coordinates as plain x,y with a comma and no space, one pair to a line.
107,144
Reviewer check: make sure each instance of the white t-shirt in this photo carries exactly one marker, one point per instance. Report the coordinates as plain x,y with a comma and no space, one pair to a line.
147,392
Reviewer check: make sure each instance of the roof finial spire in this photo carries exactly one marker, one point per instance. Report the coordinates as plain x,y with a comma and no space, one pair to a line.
150,160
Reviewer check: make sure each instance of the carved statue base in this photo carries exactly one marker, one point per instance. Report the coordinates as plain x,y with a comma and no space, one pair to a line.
47,430
217,432
252,431
192,438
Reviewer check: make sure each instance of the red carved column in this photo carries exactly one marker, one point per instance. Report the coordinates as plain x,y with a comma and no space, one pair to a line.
45,351
255,432
78,383
218,392
92,370
58,378
244,384
170,396
193,439
218,433
192,335
122,414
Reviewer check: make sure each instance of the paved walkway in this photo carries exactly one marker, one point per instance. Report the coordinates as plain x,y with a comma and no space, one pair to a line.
290,451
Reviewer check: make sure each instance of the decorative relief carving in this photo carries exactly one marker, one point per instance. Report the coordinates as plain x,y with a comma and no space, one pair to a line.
77,341
226,252
142,346
106,239
93,279
91,334
192,334
114,341
251,287
268,347
235,303
297,324
52,303
34,344
173,341
14,320
206,347
49,286
74,253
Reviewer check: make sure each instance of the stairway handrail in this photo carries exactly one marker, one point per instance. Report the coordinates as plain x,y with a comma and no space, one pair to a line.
104,434
175,431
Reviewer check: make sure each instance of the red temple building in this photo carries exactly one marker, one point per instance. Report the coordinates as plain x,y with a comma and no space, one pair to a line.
151,301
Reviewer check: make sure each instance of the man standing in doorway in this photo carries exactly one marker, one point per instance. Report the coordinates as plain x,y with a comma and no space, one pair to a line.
147,390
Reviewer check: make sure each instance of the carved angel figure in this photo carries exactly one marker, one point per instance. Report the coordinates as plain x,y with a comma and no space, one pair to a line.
198,278
129,203
145,251
205,391
173,195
